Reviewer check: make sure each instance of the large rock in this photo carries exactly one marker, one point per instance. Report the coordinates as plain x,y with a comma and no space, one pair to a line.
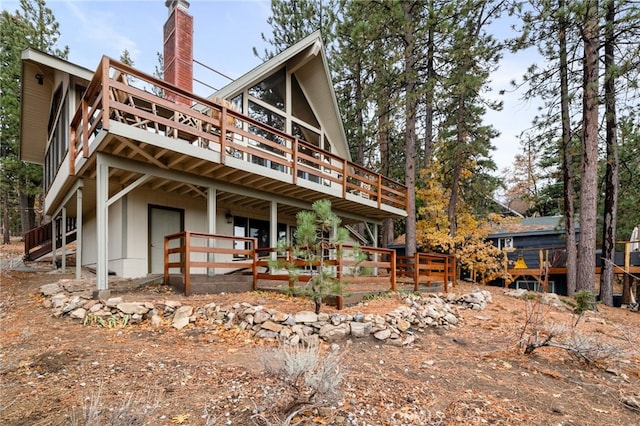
78,313
306,317
403,325
181,317
50,289
383,334
271,326
360,329
260,316
334,333
131,308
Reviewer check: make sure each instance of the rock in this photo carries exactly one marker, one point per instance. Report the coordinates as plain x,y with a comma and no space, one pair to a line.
358,317
337,319
50,289
112,302
132,308
78,313
279,317
172,304
394,342
383,334
306,317
403,325
59,300
519,293
409,340
181,317
156,321
451,319
266,334
260,316
294,340
360,329
271,326
333,333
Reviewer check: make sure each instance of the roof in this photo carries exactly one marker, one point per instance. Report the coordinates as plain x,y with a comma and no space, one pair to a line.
543,225
36,99
307,61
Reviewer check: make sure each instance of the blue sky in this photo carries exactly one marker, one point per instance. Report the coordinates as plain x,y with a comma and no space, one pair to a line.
225,32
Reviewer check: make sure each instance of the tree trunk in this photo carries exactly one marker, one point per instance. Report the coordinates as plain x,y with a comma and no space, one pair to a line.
411,101
388,234
611,176
430,93
457,167
567,158
6,235
585,277
27,212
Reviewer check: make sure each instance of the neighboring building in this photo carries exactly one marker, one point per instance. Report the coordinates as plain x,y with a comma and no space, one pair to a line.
526,241
129,167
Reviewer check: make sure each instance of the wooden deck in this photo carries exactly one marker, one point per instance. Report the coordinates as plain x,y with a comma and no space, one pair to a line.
121,115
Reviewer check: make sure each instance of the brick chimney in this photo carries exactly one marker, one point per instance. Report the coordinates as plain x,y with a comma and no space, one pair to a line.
178,48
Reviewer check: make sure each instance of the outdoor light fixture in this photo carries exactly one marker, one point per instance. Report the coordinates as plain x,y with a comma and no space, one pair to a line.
40,79
229,216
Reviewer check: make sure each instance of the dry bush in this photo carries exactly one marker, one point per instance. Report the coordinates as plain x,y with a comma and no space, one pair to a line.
134,410
308,380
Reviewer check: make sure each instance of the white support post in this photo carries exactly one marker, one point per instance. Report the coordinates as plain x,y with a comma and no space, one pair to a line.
212,214
102,194
53,241
79,233
273,228
63,232
375,244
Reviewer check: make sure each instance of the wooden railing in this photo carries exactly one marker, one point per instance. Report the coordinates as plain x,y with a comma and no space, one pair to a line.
185,244
428,268
37,242
121,93
378,268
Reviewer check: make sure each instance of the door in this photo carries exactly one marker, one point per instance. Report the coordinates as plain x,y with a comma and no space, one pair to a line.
162,221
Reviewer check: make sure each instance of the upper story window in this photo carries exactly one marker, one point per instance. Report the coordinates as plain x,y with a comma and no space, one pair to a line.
271,90
505,243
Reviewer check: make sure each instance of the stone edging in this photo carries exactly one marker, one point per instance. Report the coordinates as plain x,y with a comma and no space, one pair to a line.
395,328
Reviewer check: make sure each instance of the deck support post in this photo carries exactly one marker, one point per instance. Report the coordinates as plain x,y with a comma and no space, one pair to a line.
79,233
63,233
273,228
212,213
102,213
54,240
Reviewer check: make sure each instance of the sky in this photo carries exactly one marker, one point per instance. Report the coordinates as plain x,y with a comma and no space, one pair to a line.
225,33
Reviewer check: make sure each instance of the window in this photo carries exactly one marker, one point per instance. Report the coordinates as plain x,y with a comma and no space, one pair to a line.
271,90
505,243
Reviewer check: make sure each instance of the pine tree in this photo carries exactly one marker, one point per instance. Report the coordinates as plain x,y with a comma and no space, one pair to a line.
32,26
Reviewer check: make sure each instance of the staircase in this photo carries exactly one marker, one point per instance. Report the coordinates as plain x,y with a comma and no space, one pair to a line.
37,242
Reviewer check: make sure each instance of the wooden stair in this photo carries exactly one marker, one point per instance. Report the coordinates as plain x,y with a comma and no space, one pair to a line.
37,242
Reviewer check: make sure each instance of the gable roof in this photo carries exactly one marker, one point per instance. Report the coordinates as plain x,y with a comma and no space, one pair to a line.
36,98
308,62
543,225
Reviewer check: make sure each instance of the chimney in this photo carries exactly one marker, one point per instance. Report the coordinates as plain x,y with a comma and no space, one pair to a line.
178,48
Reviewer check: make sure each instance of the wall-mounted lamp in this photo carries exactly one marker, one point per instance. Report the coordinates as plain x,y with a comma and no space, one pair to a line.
229,216
40,79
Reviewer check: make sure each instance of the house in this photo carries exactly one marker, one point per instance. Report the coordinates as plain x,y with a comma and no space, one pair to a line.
535,247
135,166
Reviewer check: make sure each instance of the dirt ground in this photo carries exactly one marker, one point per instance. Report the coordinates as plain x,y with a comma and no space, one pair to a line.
53,371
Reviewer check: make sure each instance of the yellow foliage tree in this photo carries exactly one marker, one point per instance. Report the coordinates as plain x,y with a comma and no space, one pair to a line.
470,245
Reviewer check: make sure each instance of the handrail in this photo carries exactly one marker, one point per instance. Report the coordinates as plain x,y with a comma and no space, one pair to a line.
110,96
185,249
428,267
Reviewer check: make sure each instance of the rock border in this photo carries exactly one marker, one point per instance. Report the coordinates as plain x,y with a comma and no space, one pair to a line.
396,328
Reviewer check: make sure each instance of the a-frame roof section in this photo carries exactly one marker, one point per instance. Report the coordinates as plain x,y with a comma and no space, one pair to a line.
36,98
308,62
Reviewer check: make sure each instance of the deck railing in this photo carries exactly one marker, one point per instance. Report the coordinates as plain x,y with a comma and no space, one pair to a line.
37,242
186,251
121,93
200,250
428,268
375,273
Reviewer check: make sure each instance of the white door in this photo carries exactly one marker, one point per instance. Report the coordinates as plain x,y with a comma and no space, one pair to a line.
162,221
